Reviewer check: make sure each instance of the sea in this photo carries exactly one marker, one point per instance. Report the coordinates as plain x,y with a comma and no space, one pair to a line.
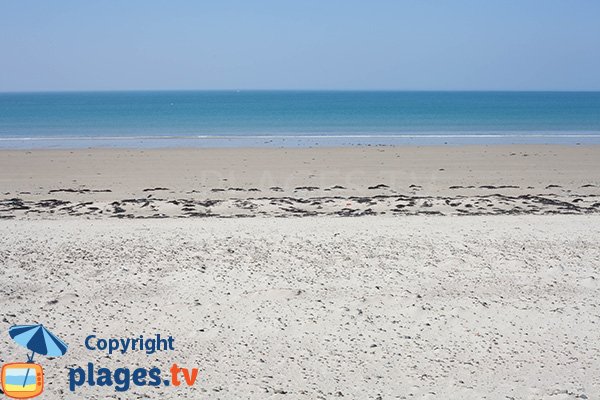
150,119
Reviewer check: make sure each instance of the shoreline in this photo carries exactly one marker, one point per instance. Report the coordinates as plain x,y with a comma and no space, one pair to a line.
291,141
250,182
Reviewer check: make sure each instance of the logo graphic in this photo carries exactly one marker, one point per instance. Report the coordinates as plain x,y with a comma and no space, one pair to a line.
22,380
26,380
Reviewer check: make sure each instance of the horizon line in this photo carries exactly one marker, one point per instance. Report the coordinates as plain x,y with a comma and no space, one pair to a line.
304,90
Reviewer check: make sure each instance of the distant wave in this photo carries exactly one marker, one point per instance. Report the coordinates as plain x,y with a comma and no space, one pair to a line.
310,136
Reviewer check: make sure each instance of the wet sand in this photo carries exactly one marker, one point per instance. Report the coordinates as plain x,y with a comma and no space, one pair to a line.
462,180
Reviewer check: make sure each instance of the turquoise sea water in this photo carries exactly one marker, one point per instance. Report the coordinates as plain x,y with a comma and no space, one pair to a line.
288,118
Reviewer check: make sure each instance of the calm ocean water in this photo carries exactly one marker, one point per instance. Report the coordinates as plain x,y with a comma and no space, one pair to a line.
288,118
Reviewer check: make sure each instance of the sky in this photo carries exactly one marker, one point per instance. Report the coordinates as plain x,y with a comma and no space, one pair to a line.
299,44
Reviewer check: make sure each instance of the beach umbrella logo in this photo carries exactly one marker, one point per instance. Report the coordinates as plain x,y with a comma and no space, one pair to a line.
26,380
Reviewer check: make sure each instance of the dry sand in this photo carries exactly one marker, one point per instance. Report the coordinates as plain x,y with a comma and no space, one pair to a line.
495,307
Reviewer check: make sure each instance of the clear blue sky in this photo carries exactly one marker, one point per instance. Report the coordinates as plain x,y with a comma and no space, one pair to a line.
300,44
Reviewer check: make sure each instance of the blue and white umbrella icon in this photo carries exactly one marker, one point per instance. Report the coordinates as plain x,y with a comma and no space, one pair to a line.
39,340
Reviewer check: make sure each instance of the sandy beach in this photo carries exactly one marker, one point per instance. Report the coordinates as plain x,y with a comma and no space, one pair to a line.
450,180
469,272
